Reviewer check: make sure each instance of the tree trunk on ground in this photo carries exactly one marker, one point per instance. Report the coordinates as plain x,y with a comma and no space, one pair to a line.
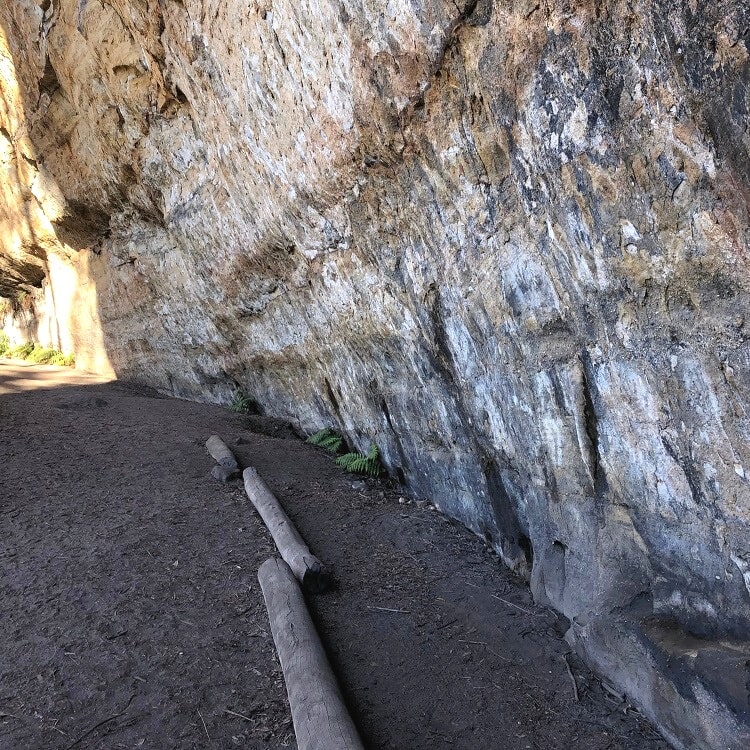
228,467
321,721
308,570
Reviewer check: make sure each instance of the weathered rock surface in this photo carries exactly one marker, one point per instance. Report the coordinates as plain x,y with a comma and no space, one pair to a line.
506,241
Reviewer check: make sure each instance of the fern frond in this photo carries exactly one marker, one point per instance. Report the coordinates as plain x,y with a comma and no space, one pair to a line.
359,463
241,403
333,443
320,436
328,439
345,461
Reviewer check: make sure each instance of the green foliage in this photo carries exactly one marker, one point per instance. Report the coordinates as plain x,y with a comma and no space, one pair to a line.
42,355
359,463
242,403
63,360
45,356
328,439
36,353
21,351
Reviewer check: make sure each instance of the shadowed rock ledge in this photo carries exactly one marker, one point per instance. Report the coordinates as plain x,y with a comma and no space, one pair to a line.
506,241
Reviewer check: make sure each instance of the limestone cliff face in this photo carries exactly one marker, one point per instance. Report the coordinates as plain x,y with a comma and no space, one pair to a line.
506,241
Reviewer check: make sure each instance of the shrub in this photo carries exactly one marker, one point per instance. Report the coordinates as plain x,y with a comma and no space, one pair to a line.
36,353
4,343
20,351
42,355
359,463
63,360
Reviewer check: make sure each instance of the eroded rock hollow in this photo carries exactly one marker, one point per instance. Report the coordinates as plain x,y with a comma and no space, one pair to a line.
506,241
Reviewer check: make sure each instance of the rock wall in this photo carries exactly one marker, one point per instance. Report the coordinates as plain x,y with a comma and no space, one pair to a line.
506,241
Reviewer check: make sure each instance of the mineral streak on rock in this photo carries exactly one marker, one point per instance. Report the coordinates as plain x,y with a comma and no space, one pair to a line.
505,241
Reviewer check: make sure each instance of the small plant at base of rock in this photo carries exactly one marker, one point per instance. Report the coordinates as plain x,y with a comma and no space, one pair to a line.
241,403
359,463
63,360
328,439
244,404
38,354
43,355
20,351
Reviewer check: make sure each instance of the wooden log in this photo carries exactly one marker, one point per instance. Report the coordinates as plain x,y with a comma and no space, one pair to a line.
321,721
308,570
227,464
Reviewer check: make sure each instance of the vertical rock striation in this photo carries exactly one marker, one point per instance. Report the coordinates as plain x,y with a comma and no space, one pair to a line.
507,241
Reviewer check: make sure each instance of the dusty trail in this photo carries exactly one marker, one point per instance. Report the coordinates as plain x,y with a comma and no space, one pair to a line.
132,618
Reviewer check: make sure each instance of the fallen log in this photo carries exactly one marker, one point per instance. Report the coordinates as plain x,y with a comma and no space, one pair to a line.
228,467
321,721
307,569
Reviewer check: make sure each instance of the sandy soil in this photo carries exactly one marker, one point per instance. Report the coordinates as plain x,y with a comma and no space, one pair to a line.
132,617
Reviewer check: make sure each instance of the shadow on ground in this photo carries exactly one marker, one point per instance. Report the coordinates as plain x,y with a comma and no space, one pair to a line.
132,617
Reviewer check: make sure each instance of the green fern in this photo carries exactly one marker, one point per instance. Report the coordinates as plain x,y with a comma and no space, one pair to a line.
328,439
359,463
241,403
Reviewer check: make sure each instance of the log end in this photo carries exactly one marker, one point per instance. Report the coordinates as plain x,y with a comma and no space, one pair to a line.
316,579
225,473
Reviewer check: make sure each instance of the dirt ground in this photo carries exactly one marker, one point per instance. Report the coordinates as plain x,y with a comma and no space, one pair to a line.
131,616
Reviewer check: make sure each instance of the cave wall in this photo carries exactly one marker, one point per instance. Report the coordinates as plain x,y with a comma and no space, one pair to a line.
506,241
